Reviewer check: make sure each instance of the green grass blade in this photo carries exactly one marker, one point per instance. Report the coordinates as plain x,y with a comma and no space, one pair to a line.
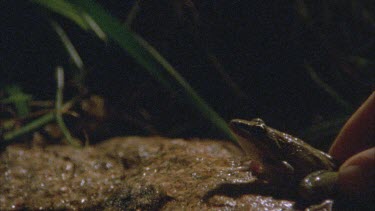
68,45
73,13
65,9
32,126
150,59
59,107
328,89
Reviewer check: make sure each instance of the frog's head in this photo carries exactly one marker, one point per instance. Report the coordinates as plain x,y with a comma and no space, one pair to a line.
256,132
254,129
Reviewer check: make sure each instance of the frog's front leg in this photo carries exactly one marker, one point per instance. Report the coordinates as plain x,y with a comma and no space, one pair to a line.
253,166
270,172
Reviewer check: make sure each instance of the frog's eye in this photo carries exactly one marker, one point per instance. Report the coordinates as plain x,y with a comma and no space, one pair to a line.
258,121
258,129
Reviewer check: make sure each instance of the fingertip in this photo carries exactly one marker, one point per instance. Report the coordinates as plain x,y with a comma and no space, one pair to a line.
365,159
358,133
356,175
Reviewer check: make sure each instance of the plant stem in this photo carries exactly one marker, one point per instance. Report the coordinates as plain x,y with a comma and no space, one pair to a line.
30,127
59,100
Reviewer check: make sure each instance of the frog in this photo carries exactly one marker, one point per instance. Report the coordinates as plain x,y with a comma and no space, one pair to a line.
285,159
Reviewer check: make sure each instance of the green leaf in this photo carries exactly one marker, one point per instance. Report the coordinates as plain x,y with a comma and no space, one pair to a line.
19,99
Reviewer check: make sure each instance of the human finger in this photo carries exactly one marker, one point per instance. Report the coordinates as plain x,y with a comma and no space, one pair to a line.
358,134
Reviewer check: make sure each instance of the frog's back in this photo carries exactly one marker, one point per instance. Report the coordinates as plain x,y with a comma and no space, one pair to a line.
302,156
306,159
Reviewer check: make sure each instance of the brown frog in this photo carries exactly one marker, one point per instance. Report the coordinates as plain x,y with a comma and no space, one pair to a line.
287,160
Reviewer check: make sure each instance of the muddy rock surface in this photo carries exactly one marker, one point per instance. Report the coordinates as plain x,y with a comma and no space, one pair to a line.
131,173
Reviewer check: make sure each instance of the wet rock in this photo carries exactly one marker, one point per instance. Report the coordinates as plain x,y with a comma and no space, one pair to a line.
128,174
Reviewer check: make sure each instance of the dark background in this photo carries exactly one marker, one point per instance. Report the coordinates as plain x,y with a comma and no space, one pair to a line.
263,47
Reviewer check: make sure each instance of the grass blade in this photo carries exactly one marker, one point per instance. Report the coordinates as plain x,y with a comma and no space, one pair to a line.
32,126
151,60
65,9
73,13
59,108
328,89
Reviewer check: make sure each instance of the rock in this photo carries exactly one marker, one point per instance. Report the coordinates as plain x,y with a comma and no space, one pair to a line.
131,173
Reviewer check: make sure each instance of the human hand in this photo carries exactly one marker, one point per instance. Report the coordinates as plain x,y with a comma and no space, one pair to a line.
354,146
